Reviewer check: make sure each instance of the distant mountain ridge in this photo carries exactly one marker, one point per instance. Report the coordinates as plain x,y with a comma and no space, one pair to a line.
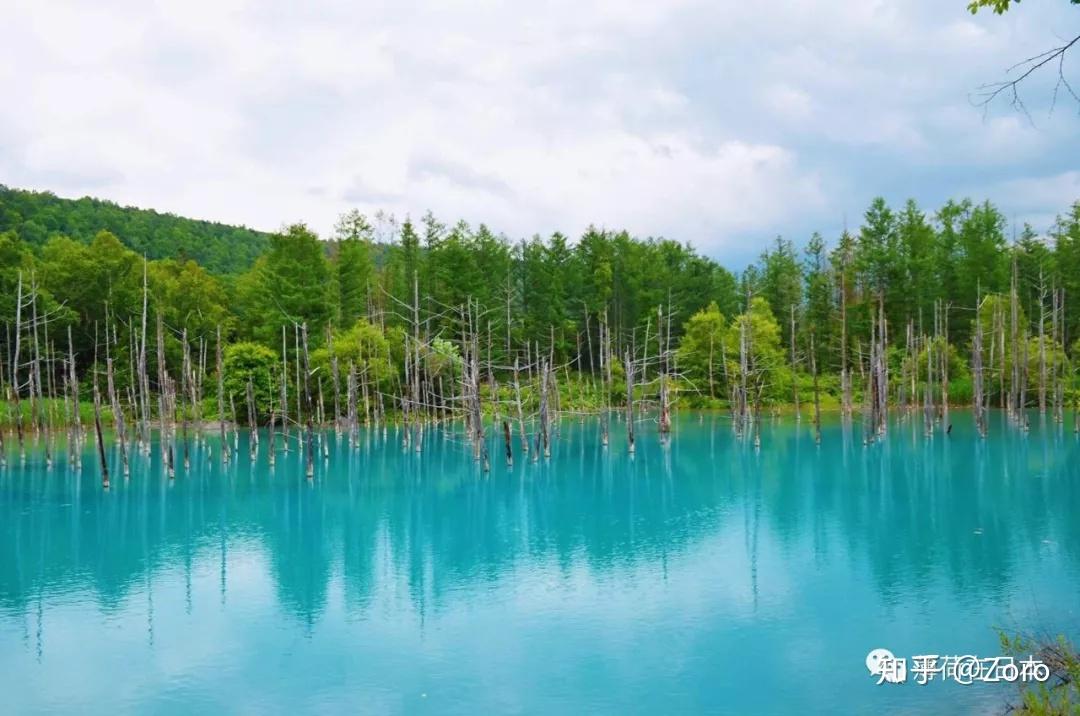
220,248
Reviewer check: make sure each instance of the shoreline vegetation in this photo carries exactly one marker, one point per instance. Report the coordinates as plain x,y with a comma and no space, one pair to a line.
426,323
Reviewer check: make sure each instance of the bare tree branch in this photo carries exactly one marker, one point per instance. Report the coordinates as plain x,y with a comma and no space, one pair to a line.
987,93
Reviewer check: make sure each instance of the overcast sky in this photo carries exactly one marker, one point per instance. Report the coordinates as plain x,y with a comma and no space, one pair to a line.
719,122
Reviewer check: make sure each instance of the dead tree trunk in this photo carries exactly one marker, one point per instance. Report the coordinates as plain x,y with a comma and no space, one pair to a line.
37,403
1042,344
253,430
1022,402
144,375
628,366
114,403
665,409
1014,331
284,389
163,400
817,393
607,357
545,436
221,401
1057,323
351,405
335,378
845,374
100,440
235,424
73,380
977,373
945,366
271,453
299,393
794,369
928,393
186,379
520,411
15,388
744,371
197,394
309,438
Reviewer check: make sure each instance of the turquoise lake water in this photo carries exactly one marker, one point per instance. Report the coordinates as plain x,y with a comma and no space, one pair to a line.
700,576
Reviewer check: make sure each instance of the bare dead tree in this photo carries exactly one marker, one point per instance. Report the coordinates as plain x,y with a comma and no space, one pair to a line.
253,431
794,368
271,453
665,408
334,377
1042,344
520,411
76,425
114,403
628,365
100,440
817,392
15,370
163,399
845,374
978,384
284,389
185,391
221,401
506,442
945,365
986,94
309,437
144,376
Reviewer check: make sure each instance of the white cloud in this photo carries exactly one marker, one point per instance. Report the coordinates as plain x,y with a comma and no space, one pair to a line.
790,102
1030,196
702,121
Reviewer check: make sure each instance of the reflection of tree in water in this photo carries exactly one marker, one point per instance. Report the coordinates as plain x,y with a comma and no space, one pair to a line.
958,507
424,526
300,554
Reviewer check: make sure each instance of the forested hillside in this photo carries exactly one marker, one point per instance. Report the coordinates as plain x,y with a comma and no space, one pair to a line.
949,292
35,217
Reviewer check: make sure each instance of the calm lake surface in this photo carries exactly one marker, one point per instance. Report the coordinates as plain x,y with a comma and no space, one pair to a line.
700,576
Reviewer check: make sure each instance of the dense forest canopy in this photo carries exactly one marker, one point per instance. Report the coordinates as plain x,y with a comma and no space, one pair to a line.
907,265
36,217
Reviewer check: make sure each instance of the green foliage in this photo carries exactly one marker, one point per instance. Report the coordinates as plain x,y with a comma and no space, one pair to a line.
98,283
781,282
36,217
1064,263
16,261
189,298
58,410
245,362
289,285
1000,7
1060,694
767,370
920,286
700,351
959,368
353,267
373,353
819,313
961,390
442,359
994,316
